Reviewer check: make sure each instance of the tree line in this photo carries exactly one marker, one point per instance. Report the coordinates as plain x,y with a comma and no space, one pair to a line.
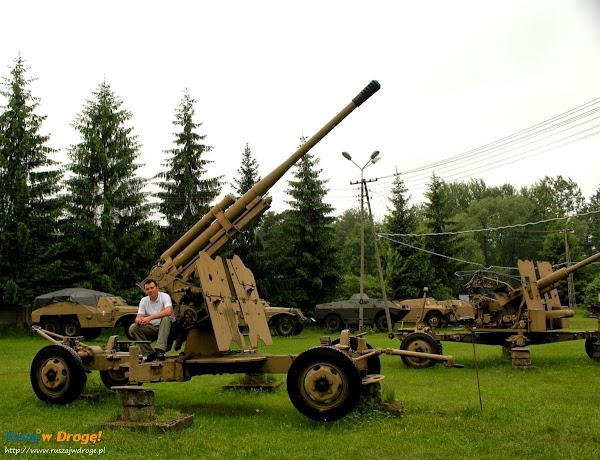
88,222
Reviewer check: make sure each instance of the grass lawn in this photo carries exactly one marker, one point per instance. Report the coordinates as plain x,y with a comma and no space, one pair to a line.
549,411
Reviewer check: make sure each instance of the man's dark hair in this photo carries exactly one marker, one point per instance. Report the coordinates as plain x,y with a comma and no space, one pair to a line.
149,281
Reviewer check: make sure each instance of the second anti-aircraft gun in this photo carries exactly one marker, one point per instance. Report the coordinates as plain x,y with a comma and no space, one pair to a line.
211,296
529,313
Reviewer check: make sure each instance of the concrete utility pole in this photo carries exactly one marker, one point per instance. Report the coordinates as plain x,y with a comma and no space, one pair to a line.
374,158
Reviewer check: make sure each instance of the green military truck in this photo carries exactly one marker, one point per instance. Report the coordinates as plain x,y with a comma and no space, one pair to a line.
81,312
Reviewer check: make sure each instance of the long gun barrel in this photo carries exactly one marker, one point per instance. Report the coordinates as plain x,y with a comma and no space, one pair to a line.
549,282
229,217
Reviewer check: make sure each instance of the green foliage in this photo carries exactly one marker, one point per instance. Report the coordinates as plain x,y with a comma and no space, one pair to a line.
351,285
407,268
112,242
310,245
29,183
442,243
247,245
186,194
348,237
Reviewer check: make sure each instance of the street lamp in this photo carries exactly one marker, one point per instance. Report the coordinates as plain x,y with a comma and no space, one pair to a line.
373,158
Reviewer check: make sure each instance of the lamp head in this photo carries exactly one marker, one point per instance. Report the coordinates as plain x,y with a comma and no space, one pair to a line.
374,155
347,156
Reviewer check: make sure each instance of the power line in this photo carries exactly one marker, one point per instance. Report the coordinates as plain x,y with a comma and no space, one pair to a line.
459,232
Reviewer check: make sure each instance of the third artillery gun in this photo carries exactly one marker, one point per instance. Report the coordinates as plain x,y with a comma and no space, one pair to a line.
513,317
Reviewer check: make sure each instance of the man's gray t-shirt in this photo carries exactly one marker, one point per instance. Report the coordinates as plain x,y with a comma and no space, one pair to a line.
147,307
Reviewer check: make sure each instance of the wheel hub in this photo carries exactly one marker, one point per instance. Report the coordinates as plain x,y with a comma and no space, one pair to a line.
323,383
53,374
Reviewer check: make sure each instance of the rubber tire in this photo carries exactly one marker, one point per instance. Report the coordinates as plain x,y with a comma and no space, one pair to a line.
91,333
381,322
589,345
51,325
435,319
339,363
419,341
333,323
73,371
285,326
71,328
299,328
373,363
112,378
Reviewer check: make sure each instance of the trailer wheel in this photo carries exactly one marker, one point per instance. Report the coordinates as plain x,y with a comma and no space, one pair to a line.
285,326
419,341
114,378
57,374
324,384
592,343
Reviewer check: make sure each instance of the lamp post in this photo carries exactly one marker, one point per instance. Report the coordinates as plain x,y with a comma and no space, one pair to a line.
374,158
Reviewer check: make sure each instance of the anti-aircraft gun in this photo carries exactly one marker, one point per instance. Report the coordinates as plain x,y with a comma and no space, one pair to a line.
211,295
513,317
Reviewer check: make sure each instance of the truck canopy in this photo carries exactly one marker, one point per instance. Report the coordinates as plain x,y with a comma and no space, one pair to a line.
77,295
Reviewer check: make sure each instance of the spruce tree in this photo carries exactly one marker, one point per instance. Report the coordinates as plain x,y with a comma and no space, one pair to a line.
29,207
311,239
407,267
438,215
247,245
186,194
108,215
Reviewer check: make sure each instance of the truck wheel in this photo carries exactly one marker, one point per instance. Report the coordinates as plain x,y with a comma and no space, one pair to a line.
285,326
324,384
71,328
91,333
419,341
51,325
333,323
114,378
435,319
299,328
57,374
381,323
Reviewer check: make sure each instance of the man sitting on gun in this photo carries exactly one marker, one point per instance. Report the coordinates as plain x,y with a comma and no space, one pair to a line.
153,321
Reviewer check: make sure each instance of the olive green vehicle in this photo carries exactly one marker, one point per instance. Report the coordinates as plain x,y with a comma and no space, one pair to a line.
436,313
211,297
81,312
335,316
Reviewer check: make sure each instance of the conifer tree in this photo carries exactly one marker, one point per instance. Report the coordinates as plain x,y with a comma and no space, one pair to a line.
108,215
438,215
29,207
186,194
407,268
247,245
311,248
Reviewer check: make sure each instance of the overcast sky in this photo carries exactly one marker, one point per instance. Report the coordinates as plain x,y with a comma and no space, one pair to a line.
455,76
